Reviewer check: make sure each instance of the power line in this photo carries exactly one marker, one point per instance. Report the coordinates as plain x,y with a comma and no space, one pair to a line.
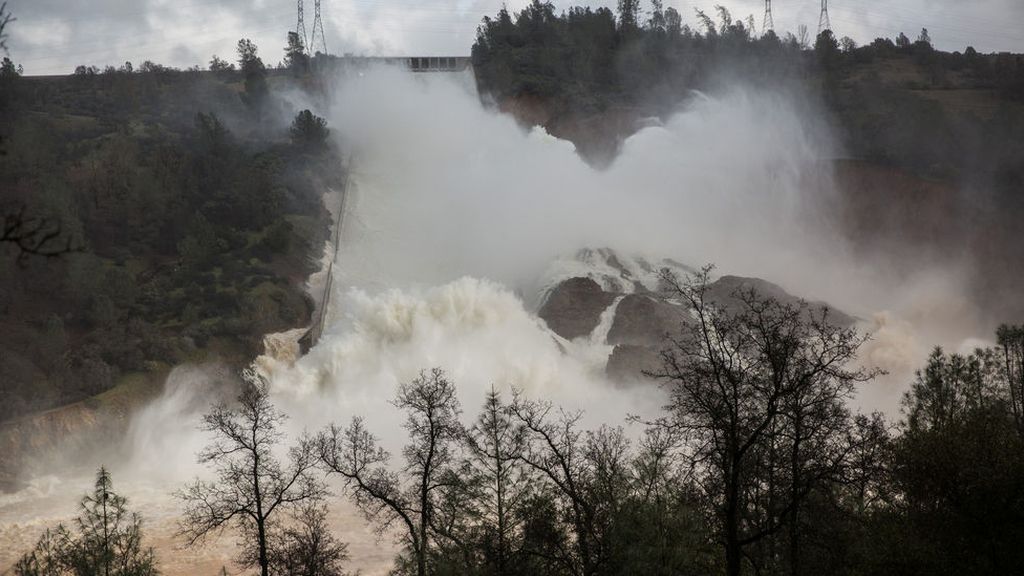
824,23
318,24
769,21
300,26
437,20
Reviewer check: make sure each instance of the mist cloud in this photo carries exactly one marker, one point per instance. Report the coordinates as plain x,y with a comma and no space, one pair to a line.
446,189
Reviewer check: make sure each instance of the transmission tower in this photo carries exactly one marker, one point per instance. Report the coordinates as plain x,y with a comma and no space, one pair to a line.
300,26
769,21
318,26
823,21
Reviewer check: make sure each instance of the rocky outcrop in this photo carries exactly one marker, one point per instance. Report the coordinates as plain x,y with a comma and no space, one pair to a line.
596,135
573,308
643,316
629,362
726,291
644,320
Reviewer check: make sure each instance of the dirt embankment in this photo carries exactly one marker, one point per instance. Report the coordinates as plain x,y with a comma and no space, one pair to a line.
74,429
885,208
897,219
597,136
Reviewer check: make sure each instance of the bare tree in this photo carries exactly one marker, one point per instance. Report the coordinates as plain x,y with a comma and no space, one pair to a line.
750,390
8,73
1011,341
555,450
252,489
307,547
34,235
803,37
5,19
408,498
661,525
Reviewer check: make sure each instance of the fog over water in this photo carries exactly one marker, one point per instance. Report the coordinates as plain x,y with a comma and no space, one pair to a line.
456,223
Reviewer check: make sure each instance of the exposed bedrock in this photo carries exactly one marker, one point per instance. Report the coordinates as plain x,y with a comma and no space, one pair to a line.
574,307
643,318
628,362
725,292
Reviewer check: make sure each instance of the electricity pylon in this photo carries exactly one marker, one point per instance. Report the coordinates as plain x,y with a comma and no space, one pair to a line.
824,23
318,26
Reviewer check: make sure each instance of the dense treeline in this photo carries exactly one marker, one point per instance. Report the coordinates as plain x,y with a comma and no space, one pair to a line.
184,206
953,115
592,61
755,466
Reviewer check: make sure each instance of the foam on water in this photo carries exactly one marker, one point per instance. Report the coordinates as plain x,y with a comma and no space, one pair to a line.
480,332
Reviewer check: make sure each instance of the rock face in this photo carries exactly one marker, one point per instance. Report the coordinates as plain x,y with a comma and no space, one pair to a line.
574,307
643,317
644,320
628,362
724,293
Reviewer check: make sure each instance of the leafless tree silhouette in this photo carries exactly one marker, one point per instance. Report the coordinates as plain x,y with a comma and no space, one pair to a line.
34,235
252,487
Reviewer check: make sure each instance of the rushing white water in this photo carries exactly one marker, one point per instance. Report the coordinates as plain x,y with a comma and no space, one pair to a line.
447,189
455,219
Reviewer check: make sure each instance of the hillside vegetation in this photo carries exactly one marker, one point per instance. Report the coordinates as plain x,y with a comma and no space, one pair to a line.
152,217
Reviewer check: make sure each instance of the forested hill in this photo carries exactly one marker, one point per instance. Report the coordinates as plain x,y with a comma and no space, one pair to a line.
897,101
150,217
932,142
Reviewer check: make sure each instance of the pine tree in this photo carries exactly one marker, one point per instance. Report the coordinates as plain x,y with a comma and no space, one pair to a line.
108,541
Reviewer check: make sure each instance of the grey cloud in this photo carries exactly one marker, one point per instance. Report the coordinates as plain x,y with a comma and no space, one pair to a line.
53,36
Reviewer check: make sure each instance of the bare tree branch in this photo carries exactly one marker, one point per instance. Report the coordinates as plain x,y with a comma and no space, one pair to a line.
5,19
252,486
34,235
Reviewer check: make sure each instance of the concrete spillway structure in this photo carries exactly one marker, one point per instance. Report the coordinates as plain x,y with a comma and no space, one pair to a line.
418,64
312,335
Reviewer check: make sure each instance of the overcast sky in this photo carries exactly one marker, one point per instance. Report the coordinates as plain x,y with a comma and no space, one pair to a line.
53,36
